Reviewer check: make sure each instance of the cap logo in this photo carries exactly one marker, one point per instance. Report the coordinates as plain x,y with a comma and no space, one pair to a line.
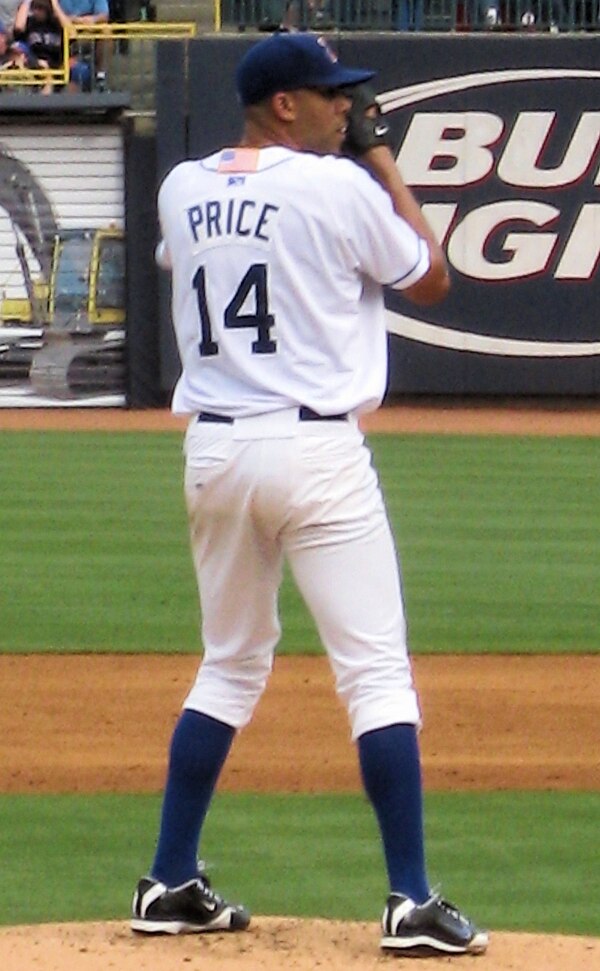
330,54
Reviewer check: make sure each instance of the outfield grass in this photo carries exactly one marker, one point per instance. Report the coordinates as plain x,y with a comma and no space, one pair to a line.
500,544
515,861
499,539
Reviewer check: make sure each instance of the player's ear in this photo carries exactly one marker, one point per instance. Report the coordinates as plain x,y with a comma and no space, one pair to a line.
283,105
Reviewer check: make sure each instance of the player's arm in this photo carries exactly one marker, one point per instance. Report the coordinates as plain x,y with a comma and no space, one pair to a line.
435,284
98,14
366,142
162,255
60,15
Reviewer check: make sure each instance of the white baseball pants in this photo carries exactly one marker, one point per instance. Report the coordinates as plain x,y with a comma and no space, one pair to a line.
270,487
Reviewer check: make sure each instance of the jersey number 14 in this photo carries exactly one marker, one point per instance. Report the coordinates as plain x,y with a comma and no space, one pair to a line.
253,285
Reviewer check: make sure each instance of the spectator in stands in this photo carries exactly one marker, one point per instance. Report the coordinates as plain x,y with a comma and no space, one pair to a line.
91,12
489,14
407,14
296,15
299,15
484,14
15,54
546,15
41,25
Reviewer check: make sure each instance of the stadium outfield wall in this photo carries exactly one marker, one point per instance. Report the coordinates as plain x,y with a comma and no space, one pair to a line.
499,138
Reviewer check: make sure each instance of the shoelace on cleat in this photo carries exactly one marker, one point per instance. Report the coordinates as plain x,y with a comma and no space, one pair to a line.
207,890
451,909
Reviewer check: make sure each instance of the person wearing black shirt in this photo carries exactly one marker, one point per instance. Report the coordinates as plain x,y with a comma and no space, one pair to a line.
41,25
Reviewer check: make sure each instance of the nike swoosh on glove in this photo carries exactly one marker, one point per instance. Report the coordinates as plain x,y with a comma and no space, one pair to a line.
366,126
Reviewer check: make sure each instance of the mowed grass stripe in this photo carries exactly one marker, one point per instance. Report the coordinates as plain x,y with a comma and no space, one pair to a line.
514,861
499,539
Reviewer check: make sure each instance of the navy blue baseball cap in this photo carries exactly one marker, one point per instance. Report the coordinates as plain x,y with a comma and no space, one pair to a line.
287,62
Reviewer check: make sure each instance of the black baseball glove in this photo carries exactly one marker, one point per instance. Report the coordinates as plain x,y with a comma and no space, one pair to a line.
366,124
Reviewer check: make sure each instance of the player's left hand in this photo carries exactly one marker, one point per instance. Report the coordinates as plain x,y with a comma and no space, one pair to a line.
366,127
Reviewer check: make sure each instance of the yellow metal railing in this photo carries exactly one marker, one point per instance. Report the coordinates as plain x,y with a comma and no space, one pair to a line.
33,77
77,35
132,31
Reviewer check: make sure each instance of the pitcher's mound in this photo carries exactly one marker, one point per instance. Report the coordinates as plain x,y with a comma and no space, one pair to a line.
271,943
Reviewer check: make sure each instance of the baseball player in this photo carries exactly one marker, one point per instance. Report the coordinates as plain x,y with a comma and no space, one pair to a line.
279,248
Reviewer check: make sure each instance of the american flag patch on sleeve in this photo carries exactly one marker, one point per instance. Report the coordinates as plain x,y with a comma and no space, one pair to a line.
238,160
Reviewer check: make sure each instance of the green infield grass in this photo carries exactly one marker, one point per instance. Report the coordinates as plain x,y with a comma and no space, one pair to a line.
513,861
499,539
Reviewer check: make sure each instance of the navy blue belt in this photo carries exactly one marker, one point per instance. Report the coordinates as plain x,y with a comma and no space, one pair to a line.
304,414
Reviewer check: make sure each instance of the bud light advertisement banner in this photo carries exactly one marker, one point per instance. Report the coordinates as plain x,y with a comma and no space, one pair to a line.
499,139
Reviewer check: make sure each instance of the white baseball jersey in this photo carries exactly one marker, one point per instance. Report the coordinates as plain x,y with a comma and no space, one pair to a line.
278,261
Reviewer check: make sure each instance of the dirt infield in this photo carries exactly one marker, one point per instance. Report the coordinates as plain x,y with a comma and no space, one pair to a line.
103,724
444,417
271,944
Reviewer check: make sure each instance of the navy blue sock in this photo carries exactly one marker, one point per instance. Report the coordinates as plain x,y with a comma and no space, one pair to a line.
391,772
199,747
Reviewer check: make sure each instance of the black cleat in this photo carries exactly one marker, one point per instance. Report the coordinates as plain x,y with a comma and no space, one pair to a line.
432,928
192,908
